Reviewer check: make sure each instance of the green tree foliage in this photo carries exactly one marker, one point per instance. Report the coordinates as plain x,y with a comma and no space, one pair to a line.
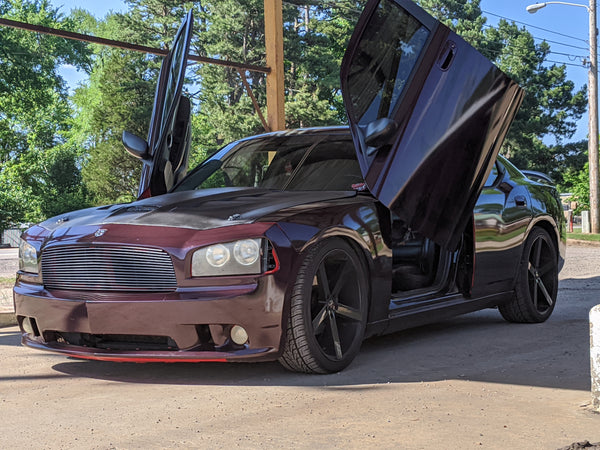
577,182
551,105
45,144
231,30
119,95
315,38
316,35
34,116
462,16
315,42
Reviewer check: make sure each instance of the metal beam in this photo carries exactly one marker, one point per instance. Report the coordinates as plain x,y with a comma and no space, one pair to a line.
274,50
126,46
254,101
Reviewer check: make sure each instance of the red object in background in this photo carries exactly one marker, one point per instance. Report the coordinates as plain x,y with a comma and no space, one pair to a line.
570,221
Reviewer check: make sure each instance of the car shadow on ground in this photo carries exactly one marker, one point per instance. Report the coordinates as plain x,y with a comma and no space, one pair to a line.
478,347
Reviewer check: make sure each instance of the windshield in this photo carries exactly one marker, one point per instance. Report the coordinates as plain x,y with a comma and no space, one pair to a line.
298,162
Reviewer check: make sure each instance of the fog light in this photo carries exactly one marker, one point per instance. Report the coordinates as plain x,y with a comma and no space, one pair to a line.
28,326
239,335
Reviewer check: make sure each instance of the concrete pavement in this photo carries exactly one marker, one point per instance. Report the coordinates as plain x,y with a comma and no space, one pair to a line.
8,268
474,381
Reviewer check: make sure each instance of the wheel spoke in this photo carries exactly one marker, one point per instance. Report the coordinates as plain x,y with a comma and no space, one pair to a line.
538,252
535,291
549,300
349,312
546,268
323,282
531,269
319,321
335,335
343,272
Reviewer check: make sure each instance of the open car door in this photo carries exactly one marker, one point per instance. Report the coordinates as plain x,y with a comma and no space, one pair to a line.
428,114
165,155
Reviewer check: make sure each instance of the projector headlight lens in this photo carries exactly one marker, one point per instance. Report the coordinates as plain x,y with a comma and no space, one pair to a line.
249,258
246,252
28,261
217,255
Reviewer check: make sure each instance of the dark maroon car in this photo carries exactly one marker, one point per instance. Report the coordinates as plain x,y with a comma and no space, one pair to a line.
297,245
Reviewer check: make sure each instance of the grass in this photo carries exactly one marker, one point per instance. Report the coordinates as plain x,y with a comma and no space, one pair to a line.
7,282
584,236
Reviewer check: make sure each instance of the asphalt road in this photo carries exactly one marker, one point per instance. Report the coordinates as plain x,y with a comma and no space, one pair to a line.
474,381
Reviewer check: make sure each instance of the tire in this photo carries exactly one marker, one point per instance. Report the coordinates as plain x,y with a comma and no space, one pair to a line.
328,310
537,281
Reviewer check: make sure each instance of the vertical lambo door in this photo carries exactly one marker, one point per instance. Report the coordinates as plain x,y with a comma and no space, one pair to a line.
165,154
428,114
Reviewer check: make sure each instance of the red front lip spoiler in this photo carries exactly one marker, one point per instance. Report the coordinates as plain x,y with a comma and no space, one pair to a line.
139,360
261,354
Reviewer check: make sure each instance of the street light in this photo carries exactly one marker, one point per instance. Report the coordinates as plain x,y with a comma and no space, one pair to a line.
531,9
592,107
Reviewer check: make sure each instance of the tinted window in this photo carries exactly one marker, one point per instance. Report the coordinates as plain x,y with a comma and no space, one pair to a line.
382,65
177,65
293,162
330,166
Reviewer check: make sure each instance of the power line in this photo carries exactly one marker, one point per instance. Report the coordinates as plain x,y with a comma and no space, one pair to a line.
547,40
490,53
565,63
571,56
560,43
533,26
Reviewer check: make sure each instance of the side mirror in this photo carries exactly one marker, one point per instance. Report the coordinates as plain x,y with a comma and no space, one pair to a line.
379,132
135,145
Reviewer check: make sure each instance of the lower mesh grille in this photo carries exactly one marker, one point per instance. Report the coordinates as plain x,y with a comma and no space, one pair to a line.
106,268
114,341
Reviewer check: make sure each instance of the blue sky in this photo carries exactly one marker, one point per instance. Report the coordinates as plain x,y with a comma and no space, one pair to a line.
97,7
565,26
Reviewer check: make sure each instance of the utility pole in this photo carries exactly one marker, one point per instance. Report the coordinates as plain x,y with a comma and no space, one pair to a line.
275,78
592,107
593,121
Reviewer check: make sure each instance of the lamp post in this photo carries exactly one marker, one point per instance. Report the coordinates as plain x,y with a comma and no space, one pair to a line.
592,107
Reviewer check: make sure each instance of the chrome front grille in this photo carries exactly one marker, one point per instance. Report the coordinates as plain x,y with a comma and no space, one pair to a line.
108,268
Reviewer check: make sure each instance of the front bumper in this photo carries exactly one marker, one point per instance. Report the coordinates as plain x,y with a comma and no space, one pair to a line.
188,325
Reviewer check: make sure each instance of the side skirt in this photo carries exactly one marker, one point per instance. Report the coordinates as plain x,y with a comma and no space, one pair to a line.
444,308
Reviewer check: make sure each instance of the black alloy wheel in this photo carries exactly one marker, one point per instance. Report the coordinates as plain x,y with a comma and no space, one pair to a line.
537,281
328,310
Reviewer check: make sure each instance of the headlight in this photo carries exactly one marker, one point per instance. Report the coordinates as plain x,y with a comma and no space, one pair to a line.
246,252
249,258
27,257
217,255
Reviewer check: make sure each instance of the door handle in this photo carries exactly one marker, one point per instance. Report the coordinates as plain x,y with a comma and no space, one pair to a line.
447,55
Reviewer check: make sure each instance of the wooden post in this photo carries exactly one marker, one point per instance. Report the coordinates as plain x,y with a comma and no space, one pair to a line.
593,122
274,50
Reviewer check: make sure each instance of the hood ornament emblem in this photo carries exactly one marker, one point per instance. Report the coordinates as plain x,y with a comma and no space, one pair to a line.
100,232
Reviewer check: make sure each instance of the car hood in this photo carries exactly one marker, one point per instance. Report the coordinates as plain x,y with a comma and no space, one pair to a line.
199,210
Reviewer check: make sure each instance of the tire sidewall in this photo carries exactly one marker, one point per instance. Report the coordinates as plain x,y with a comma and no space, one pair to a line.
523,287
312,263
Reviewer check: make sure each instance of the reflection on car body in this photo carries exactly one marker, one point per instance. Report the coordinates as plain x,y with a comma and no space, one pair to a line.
297,245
